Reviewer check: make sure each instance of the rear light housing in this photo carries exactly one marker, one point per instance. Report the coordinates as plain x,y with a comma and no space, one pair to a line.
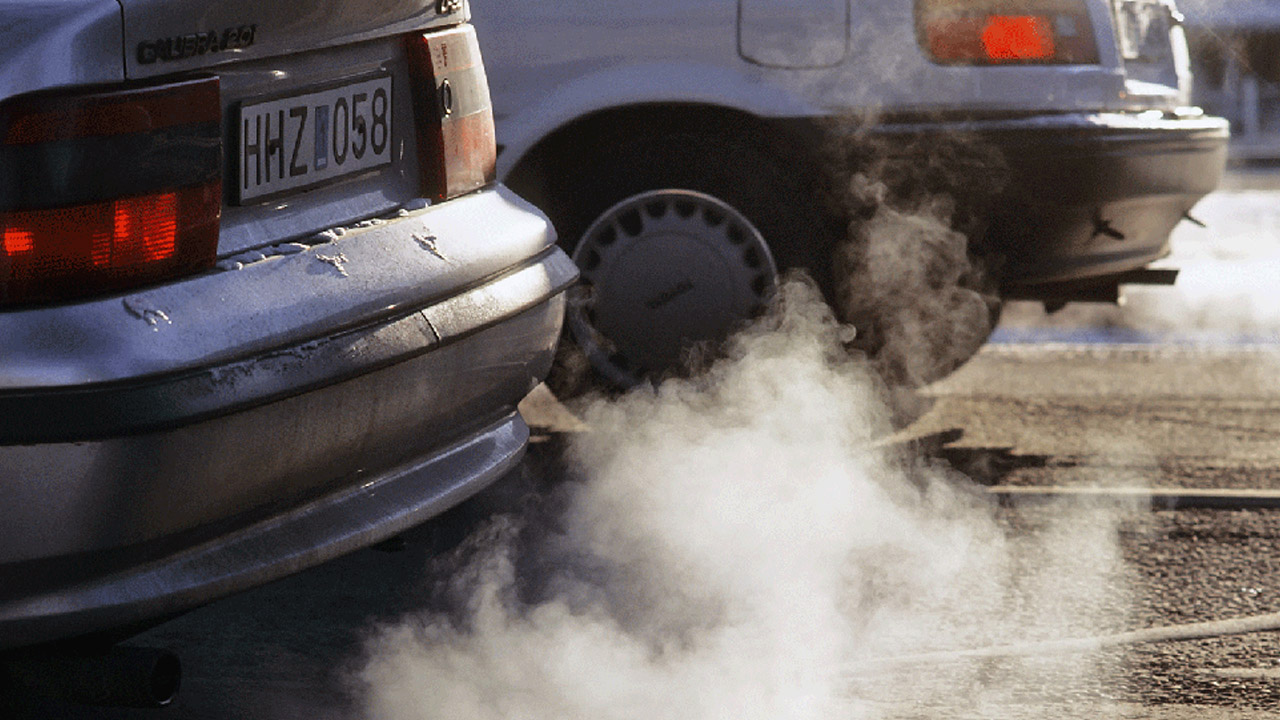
106,190
1006,32
457,152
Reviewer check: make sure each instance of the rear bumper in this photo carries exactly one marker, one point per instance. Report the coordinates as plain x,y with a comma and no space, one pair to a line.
129,589
1080,196
284,414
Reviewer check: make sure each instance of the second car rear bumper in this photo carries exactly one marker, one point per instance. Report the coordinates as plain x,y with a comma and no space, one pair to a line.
1077,196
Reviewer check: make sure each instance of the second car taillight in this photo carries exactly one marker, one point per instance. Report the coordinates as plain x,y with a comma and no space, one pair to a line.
106,190
457,152
1001,32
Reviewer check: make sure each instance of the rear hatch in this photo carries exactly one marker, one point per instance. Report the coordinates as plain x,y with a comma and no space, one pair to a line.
318,117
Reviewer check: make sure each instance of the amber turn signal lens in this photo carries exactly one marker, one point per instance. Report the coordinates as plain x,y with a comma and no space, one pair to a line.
457,148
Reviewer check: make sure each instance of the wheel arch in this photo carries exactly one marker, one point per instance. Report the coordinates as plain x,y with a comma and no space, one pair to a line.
686,87
546,163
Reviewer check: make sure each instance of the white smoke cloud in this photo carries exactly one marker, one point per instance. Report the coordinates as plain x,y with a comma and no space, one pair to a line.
740,543
905,278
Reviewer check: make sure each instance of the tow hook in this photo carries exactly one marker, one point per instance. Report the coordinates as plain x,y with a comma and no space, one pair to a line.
1102,226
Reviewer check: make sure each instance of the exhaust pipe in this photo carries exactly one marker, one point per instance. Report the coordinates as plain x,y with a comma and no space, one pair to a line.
120,676
1093,290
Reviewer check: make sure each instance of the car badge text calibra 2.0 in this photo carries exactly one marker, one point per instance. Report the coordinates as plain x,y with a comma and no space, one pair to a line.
179,47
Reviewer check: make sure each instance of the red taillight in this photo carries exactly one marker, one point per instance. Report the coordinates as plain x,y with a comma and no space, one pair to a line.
108,190
110,245
1018,37
144,230
457,152
991,32
18,240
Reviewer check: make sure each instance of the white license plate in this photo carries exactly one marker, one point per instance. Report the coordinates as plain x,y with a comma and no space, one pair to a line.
296,142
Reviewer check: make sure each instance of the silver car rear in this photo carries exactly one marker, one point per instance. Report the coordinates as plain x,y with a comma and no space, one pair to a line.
340,359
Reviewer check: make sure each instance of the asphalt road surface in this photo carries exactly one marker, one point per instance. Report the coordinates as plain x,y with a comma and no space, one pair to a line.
1156,417
1158,395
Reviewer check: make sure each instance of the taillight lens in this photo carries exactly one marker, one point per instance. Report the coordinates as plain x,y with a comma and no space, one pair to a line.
1003,32
108,190
457,152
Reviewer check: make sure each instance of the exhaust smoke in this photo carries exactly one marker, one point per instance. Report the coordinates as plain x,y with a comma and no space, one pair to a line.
907,283
907,275
732,544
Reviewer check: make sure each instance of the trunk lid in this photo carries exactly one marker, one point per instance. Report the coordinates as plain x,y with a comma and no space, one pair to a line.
167,36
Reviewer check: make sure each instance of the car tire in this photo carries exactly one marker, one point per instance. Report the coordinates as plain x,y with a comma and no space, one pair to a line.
680,238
